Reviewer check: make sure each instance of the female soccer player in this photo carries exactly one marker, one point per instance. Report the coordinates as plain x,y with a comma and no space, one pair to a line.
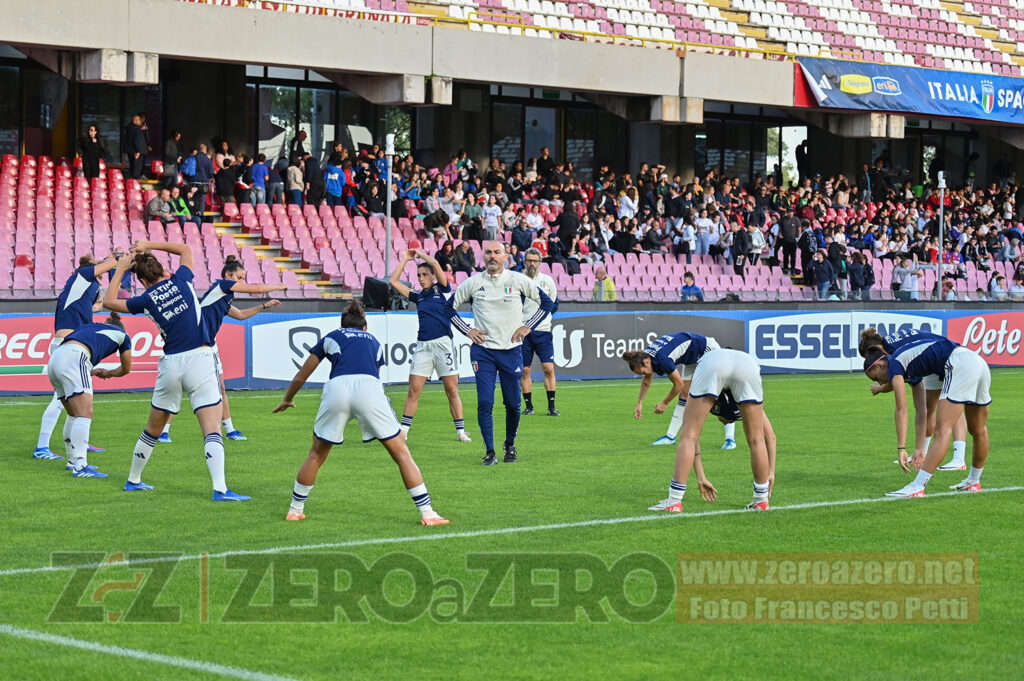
965,388
665,355
932,385
717,371
70,370
354,391
215,304
188,363
75,307
435,347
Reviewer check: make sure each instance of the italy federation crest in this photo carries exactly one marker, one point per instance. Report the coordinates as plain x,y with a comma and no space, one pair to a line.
988,96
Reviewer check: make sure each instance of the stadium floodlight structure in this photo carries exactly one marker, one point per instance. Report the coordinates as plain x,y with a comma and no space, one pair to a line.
389,152
942,205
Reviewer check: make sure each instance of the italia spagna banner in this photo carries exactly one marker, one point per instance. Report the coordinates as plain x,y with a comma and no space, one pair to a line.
840,84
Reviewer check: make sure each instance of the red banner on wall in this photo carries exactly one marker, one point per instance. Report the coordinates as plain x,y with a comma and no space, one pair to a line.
25,344
998,337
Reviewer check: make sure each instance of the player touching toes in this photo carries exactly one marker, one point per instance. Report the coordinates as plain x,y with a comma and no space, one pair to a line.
717,371
870,338
188,363
71,370
217,304
354,390
965,390
435,346
674,355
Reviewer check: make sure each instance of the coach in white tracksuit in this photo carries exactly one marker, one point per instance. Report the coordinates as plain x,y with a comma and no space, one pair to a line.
497,297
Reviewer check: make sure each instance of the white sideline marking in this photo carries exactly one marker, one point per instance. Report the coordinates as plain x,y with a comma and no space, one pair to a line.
373,541
144,655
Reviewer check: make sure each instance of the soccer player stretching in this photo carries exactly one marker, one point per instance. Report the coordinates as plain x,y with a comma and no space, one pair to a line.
354,391
870,338
435,347
216,304
717,371
188,363
674,355
497,295
71,370
965,388
75,306
539,340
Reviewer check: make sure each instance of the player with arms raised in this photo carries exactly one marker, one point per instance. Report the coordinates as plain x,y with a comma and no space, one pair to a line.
354,390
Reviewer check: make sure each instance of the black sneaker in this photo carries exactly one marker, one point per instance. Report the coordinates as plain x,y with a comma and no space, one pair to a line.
553,412
490,459
528,411
510,453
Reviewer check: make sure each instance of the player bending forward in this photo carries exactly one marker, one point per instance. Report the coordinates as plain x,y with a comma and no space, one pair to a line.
71,370
965,389
717,371
354,391
435,347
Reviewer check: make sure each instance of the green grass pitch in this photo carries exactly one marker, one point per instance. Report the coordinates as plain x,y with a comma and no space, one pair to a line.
836,443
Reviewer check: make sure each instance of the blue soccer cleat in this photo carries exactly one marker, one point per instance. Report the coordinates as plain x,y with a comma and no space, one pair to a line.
664,440
729,444
45,453
137,486
228,495
87,472
93,450
69,467
235,435
164,437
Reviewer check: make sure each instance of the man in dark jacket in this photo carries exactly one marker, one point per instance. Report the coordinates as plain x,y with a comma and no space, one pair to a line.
135,147
808,244
567,224
822,273
741,248
789,232
314,179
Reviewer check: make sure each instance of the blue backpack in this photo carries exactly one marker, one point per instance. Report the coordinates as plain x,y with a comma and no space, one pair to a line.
188,166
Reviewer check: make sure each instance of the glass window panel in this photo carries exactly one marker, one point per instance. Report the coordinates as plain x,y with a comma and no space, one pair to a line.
507,132
101,106
9,105
580,133
316,117
276,120
736,150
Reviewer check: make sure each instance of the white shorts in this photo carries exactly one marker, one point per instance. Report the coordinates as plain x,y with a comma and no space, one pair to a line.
54,344
216,358
70,371
967,379
194,372
360,397
438,355
686,370
932,382
721,369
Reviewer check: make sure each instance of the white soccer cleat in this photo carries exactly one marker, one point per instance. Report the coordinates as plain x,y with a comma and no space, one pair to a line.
463,437
954,465
966,486
668,506
911,490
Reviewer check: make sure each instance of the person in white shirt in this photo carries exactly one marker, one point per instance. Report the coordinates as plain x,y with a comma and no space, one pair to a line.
497,296
539,341
535,220
491,216
702,226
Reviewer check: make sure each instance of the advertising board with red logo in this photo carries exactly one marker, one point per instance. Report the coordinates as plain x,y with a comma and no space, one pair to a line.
996,336
25,344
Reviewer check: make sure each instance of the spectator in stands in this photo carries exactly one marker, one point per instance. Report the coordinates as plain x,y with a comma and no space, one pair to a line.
862,277
472,217
465,259
296,148
542,241
703,224
567,224
628,204
243,179
135,147
1011,251
1017,287
500,196
808,244
294,182
160,208
225,181
654,241
803,166
260,173
445,257
545,165
905,275
92,150
822,273
741,248
201,179
758,245
491,217
313,177
334,180
275,181
183,207
997,287
375,202
604,287
225,152
789,233
690,292
515,260
172,158
522,235
534,220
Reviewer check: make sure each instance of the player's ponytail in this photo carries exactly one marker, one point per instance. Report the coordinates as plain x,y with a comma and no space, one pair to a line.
870,338
231,264
354,316
115,320
634,358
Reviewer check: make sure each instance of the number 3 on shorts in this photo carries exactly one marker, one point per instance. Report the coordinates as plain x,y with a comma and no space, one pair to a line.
449,359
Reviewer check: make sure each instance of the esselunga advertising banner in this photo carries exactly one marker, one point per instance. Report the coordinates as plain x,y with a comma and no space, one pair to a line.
824,341
844,84
25,351
997,336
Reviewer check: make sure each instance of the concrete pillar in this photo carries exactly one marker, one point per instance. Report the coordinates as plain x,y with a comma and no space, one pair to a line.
385,90
895,126
143,68
692,110
665,109
859,125
440,91
102,66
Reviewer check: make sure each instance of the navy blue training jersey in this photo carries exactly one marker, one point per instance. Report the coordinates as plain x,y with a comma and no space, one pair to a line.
668,352
925,354
432,309
102,340
74,306
351,352
174,306
215,306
